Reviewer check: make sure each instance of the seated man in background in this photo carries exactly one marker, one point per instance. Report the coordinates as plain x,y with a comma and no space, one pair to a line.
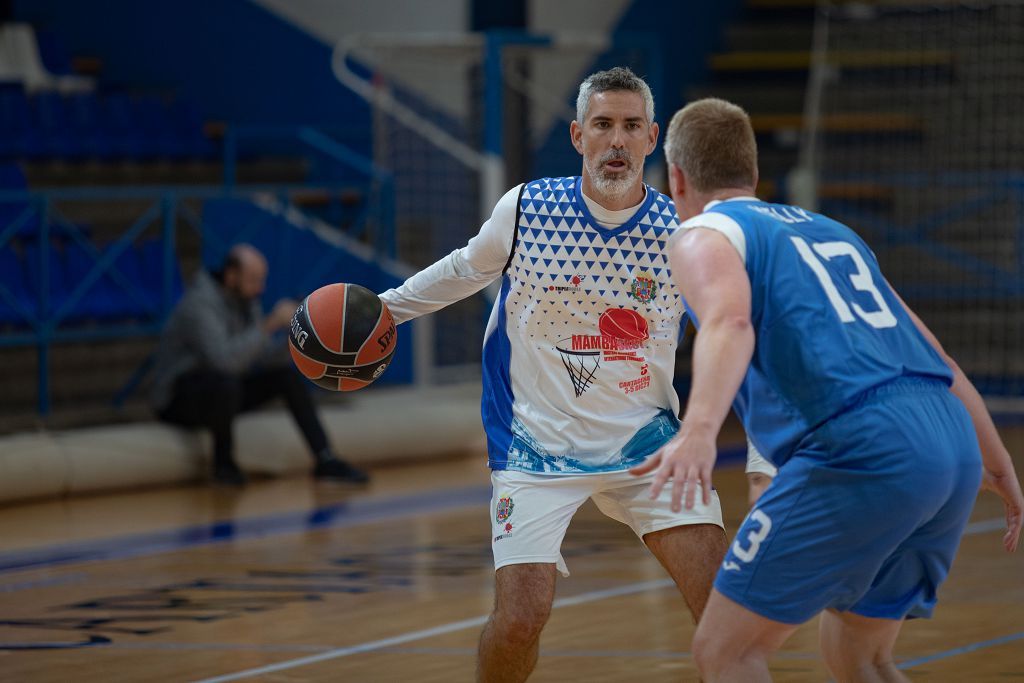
208,365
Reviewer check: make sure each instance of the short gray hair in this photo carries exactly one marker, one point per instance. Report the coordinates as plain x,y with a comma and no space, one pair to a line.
619,78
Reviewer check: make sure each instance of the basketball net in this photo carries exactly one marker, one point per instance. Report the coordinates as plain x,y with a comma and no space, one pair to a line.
581,366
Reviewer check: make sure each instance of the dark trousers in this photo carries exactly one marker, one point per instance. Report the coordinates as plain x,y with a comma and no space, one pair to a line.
212,400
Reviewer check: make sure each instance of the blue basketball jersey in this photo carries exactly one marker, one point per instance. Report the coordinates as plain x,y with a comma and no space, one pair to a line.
828,327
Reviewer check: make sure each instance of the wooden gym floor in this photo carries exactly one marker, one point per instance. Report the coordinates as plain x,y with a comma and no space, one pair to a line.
290,580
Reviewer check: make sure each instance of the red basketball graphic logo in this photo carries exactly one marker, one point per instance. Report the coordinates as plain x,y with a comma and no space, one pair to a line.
624,323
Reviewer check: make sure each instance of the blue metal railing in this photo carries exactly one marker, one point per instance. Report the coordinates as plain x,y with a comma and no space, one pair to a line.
43,317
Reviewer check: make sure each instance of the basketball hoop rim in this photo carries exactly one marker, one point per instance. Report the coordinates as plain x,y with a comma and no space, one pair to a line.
586,352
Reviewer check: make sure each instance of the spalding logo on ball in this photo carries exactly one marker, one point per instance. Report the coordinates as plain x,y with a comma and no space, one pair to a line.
342,337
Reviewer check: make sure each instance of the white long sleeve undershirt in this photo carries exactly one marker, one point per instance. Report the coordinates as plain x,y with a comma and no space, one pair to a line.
467,270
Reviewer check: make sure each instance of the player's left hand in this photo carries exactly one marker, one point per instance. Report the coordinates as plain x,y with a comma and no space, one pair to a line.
688,460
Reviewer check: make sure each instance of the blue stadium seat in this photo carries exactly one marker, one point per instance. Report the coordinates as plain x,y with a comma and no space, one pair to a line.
85,117
188,130
156,137
18,135
121,127
51,120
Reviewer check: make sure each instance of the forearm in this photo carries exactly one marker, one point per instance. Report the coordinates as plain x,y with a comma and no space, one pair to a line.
721,355
449,280
463,272
994,455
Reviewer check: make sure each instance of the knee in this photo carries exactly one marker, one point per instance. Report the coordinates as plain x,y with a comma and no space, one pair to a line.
522,623
715,657
706,653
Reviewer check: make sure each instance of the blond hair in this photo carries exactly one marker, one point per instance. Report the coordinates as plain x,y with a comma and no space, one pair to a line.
712,141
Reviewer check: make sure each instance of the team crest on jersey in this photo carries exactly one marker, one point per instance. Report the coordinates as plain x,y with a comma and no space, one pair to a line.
644,287
503,510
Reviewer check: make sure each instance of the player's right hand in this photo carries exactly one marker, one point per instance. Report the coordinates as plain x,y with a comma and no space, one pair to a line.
1006,486
687,460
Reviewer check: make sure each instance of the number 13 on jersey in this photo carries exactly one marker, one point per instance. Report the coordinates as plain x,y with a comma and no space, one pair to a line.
861,281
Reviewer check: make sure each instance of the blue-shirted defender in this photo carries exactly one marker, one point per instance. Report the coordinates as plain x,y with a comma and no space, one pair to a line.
875,431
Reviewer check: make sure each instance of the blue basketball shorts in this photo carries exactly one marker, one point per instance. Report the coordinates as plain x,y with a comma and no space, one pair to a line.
866,516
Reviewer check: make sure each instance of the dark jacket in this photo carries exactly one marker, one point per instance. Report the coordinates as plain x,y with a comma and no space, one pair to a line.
209,329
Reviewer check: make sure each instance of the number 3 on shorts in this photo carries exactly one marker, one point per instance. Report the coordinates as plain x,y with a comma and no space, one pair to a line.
754,537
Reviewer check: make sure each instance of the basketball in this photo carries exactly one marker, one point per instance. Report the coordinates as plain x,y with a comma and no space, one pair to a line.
342,337
623,323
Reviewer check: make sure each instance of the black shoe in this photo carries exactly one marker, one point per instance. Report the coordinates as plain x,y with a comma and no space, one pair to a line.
228,474
339,470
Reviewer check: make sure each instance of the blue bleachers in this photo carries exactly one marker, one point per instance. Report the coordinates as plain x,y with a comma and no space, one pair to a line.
87,125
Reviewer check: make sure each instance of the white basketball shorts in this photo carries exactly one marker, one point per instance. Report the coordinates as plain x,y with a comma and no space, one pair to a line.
530,513
757,463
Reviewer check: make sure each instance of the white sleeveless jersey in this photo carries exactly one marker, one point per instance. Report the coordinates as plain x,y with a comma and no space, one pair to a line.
579,351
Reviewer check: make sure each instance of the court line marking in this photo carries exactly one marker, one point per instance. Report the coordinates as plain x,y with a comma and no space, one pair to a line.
583,598
458,651
963,649
338,515
972,529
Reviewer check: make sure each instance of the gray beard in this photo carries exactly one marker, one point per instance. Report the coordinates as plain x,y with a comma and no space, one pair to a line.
611,186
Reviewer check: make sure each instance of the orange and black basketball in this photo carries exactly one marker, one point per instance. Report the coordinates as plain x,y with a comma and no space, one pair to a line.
342,337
